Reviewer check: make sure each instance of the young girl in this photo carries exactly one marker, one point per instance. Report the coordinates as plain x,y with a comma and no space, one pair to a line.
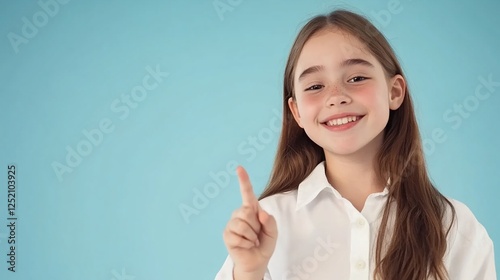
349,195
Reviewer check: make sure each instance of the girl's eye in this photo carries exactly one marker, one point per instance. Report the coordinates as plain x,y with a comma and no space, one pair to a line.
314,87
357,79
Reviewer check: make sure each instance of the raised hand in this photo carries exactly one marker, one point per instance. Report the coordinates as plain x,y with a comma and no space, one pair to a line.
250,235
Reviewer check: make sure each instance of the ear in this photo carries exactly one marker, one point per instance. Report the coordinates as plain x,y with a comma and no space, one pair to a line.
292,104
397,91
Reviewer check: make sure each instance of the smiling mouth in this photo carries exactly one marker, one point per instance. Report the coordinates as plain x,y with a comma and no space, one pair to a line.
342,121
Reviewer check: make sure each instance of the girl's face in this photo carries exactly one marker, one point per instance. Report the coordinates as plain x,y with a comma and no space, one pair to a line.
342,94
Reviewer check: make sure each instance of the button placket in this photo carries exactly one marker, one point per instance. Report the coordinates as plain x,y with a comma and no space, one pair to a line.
361,222
360,247
360,265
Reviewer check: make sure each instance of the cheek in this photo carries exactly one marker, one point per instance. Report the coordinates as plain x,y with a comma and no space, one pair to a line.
374,97
308,108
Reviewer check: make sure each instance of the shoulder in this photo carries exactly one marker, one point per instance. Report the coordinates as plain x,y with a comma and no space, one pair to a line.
466,222
470,252
466,229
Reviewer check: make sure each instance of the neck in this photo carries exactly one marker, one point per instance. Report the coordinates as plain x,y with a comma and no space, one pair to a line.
354,176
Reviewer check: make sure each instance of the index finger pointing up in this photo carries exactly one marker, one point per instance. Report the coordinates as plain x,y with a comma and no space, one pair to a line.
247,195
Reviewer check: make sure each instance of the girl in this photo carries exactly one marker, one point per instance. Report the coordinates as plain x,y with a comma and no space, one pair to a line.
349,195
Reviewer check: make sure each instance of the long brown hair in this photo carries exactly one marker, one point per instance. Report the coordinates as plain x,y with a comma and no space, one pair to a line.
418,237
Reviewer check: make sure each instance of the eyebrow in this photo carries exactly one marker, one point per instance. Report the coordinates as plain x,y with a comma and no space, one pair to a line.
345,63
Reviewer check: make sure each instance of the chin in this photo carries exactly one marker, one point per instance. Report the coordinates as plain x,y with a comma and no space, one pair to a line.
344,152
342,149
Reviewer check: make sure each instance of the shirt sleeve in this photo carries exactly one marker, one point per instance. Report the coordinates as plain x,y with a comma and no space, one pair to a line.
486,267
471,254
473,260
226,271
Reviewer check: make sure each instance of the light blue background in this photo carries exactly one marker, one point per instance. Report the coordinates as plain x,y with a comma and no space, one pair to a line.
116,215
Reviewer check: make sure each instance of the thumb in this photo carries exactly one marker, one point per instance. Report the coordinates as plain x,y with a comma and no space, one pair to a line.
269,230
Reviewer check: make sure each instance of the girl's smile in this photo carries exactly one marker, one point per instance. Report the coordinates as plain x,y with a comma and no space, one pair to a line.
341,122
340,87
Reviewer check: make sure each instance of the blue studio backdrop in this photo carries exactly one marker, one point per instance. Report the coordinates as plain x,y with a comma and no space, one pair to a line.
122,122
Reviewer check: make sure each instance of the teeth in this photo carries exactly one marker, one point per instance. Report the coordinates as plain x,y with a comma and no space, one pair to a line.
342,121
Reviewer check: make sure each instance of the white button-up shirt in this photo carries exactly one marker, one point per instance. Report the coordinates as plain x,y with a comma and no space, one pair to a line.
322,236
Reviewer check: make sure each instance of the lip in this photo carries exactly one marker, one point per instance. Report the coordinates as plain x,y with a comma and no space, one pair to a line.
342,115
342,127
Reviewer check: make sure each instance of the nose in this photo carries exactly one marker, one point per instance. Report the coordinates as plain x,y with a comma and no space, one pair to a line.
337,97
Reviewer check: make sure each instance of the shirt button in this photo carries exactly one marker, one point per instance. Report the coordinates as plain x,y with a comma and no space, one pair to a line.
361,222
360,265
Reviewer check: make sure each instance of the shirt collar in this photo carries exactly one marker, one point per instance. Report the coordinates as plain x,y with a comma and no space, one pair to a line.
312,186
316,182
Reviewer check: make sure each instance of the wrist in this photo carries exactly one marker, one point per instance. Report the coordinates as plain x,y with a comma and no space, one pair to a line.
248,275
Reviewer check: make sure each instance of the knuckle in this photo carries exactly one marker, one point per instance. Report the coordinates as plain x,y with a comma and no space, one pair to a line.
237,213
246,210
248,214
234,214
241,226
244,213
241,243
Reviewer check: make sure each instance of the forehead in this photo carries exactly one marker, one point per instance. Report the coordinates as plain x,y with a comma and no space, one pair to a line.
331,46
